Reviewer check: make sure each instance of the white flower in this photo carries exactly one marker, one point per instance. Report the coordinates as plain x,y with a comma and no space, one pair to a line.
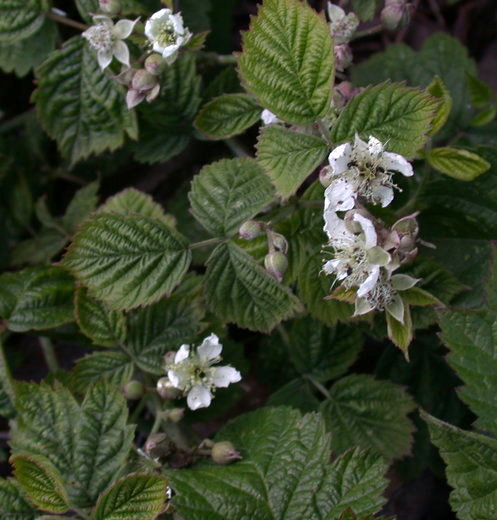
192,372
107,39
342,26
363,169
167,33
268,118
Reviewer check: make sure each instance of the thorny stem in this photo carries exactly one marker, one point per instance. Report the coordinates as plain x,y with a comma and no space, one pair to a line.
66,21
205,243
236,148
49,354
367,32
318,386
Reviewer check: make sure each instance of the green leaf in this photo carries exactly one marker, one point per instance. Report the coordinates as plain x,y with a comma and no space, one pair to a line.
481,94
459,164
13,503
228,115
80,105
41,482
418,296
86,7
471,461
127,261
227,193
485,117
239,290
400,117
287,61
196,14
438,90
365,9
298,393
400,334
284,474
289,157
140,497
369,413
20,18
105,327
83,203
36,298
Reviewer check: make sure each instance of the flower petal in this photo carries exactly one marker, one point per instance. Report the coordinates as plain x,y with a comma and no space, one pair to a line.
362,306
382,194
121,52
393,161
370,237
198,397
370,282
340,195
210,348
159,14
402,282
268,118
224,376
124,28
339,158
172,57
182,353
104,59
375,147
169,50
175,378
335,12
334,227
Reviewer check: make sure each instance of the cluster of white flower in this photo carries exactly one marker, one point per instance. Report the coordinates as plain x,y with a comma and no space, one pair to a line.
365,252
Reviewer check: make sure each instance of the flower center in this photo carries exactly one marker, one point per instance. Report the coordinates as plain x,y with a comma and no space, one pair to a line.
100,37
381,295
166,35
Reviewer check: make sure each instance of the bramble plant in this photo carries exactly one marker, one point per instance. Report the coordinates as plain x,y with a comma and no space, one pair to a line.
313,301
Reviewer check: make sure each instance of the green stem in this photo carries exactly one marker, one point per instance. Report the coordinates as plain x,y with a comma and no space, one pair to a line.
206,243
49,354
325,132
237,149
318,386
221,59
157,422
5,375
66,21
367,32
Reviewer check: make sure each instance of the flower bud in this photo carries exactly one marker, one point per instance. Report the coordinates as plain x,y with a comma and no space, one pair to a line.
343,56
110,6
153,93
158,445
176,414
279,242
143,81
224,453
169,357
133,390
276,265
134,98
155,64
250,230
326,176
395,14
166,390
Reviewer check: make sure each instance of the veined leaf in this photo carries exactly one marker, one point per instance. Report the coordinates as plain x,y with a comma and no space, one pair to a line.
289,157
20,18
228,115
481,94
13,502
287,61
127,261
400,117
80,105
365,9
83,203
136,496
227,193
369,413
459,164
438,90
36,298
239,290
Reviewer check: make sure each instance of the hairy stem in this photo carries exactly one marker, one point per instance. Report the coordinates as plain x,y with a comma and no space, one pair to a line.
206,243
367,32
5,374
66,21
318,386
49,354
236,148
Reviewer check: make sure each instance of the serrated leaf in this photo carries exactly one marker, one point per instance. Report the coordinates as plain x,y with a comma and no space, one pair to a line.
481,94
36,298
471,461
239,290
418,296
140,497
105,327
400,117
297,393
284,474
289,157
227,193
457,163
80,105
83,203
127,261
228,115
20,18
485,117
365,9
41,482
369,413
438,90
13,503
287,61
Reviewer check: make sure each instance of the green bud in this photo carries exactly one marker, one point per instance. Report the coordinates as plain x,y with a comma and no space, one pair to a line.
143,81
250,230
110,6
176,414
279,242
133,390
276,265
158,445
395,14
224,453
166,390
155,64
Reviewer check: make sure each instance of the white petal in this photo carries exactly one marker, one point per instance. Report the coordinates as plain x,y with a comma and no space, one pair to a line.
169,50
104,59
177,21
394,161
340,195
123,28
150,29
339,158
157,47
402,282
210,348
370,282
370,237
182,353
174,378
268,118
198,397
383,195
334,227
171,58
375,147
335,267
159,14
223,376
360,146
335,12
121,52
362,306
396,308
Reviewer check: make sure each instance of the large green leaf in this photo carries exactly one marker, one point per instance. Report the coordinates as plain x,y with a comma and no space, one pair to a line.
80,105
457,163
284,474
287,61
127,261
137,497
471,461
36,298
239,290
289,157
398,116
369,413
13,502
227,193
20,18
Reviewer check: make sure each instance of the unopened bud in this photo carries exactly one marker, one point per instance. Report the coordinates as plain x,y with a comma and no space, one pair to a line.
224,453
133,390
343,56
166,389
276,265
134,98
395,14
110,6
279,242
326,176
143,81
169,357
407,225
158,445
155,64
250,229
176,414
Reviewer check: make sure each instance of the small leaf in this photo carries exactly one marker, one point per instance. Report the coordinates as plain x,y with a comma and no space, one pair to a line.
369,413
13,502
400,334
481,94
84,202
486,116
459,164
127,261
439,91
42,483
420,297
227,193
287,61
228,115
239,290
365,9
20,18
400,117
289,157
136,496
